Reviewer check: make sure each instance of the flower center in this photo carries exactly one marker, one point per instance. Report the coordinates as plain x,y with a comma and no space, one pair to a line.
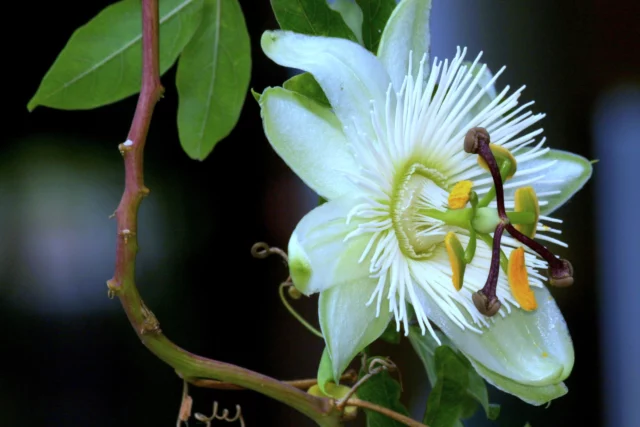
420,189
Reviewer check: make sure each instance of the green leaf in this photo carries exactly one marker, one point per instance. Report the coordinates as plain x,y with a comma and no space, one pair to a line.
213,77
375,14
425,347
313,17
305,84
102,60
381,389
325,370
473,386
391,334
445,405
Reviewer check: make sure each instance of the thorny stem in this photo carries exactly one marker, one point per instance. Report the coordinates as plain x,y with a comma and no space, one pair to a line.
122,285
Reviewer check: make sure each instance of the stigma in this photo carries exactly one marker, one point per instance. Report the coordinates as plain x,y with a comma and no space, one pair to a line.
502,166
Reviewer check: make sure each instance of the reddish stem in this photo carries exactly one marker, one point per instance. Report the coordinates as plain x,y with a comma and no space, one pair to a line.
188,365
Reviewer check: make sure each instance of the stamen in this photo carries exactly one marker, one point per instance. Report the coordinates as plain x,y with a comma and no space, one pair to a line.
460,195
560,270
456,259
519,281
526,201
485,299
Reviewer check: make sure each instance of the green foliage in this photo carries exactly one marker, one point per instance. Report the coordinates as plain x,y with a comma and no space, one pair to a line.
102,61
457,387
391,334
381,389
325,370
375,14
313,17
306,85
213,77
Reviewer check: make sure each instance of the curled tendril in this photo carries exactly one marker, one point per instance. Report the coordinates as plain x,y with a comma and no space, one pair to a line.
222,417
262,250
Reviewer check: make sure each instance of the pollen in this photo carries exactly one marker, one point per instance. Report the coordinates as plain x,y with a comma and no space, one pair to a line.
519,281
459,196
456,259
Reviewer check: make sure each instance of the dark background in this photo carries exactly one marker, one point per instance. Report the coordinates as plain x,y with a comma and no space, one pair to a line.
69,356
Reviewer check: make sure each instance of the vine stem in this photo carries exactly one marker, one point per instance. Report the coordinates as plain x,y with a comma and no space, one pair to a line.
189,366
122,285
384,411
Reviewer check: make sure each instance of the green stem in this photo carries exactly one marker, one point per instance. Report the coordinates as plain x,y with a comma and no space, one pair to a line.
455,217
122,285
504,261
295,314
505,167
525,218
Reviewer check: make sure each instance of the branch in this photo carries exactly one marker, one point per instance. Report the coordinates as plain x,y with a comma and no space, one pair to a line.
122,285
385,411
305,384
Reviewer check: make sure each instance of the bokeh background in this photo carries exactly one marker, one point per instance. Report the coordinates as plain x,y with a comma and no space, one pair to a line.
69,356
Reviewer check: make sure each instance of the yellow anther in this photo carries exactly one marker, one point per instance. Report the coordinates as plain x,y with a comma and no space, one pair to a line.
519,281
526,201
460,195
456,258
502,155
545,354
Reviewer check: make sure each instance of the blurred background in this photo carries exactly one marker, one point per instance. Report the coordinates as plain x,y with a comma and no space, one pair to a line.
69,356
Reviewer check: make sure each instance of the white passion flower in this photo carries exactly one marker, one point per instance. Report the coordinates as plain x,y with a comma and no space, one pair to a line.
419,163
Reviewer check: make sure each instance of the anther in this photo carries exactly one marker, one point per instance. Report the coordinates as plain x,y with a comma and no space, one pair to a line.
560,270
460,195
519,280
473,137
486,300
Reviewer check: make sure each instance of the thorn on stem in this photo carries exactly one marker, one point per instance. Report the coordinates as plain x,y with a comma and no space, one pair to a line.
126,233
113,287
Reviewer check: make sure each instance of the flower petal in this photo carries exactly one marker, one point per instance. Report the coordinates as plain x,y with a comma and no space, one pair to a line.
488,96
406,31
557,183
309,138
352,15
350,76
347,323
319,258
530,394
529,348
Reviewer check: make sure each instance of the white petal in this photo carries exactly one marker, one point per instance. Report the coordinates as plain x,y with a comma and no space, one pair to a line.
350,76
406,31
319,258
347,323
309,138
530,348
